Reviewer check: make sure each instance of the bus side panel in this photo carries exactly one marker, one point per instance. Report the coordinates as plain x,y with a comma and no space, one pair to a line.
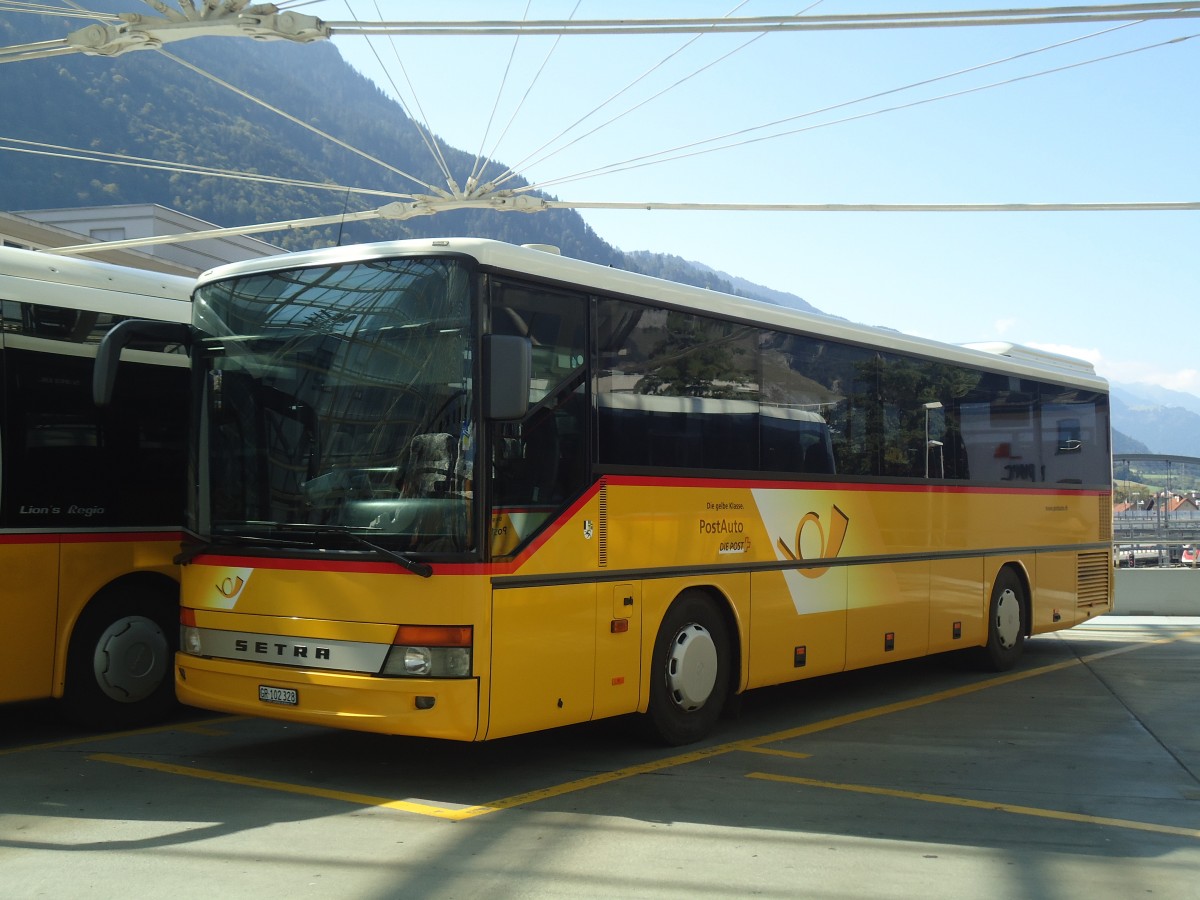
28,619
887,616
958,604
543,674
797,626
1054,598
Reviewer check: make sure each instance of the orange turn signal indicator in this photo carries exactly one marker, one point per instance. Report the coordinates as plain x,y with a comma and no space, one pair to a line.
433,635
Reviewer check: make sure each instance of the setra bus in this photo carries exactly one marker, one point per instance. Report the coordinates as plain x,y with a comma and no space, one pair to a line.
91,503
461,489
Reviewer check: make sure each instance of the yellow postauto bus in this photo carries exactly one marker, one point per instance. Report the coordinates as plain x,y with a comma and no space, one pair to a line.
461,489
91,503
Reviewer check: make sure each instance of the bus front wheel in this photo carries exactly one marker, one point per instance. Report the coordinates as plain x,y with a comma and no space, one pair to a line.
1007,623
119,667
690,678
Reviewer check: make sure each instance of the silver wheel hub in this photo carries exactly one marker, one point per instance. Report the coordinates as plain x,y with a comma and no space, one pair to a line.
692,667
1008,619
131,659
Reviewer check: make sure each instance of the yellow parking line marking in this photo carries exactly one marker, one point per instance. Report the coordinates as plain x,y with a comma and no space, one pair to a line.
756,745
425,809
113,735
954,693
981,804
602,778
750,745
774,751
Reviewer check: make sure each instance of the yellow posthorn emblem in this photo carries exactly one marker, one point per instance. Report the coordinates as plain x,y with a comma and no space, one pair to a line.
828,547
231,587
227,587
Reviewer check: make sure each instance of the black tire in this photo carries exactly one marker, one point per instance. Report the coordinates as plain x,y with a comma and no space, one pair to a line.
120,666
1007,623
690,677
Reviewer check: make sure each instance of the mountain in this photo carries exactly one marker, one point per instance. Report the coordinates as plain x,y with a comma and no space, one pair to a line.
1123,443
782,298
1171,429
1142,394
148,105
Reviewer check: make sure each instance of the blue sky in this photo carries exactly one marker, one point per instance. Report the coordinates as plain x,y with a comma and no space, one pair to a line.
1118,288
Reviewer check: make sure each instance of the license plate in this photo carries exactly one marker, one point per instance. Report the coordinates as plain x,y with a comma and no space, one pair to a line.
286,696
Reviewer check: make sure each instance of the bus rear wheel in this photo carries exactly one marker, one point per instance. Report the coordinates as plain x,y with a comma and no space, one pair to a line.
1007,623
690,678
119,667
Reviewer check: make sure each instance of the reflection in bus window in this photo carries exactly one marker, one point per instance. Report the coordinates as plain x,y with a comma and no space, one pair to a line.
542,460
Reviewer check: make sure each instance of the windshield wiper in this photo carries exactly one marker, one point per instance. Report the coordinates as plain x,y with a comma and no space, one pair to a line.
191,551
417,568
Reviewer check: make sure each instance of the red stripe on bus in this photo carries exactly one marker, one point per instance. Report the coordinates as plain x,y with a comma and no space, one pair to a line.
107,537
844,486
514,565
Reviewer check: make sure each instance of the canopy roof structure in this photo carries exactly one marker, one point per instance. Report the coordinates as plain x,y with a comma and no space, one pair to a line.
115,35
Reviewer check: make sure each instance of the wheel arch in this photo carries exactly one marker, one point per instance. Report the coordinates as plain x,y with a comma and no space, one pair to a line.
150,582
729,612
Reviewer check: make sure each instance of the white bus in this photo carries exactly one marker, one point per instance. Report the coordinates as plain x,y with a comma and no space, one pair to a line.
90,500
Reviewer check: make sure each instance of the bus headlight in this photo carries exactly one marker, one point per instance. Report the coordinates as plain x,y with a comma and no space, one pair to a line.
457,662
189,640
418,660
429,651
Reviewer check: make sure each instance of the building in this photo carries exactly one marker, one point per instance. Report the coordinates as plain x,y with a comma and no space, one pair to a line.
45,229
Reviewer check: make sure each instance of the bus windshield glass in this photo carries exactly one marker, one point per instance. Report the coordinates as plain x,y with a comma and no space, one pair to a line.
337,402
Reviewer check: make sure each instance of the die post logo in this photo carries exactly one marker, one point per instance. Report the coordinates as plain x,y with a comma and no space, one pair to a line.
811,536
231,586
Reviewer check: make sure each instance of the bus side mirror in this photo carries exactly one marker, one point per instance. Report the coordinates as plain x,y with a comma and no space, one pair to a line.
508,375
120,336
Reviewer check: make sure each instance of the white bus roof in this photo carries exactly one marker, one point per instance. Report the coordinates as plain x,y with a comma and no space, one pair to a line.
47,267
1044,358
542,264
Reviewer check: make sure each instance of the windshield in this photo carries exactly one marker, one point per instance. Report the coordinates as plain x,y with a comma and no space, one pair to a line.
337,405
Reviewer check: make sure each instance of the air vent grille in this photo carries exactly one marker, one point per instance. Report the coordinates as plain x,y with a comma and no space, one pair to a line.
602,528
1093,582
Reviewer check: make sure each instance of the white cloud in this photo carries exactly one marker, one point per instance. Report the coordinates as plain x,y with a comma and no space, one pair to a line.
1184,380
1133,372
1003,326
1146,373
1128,371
